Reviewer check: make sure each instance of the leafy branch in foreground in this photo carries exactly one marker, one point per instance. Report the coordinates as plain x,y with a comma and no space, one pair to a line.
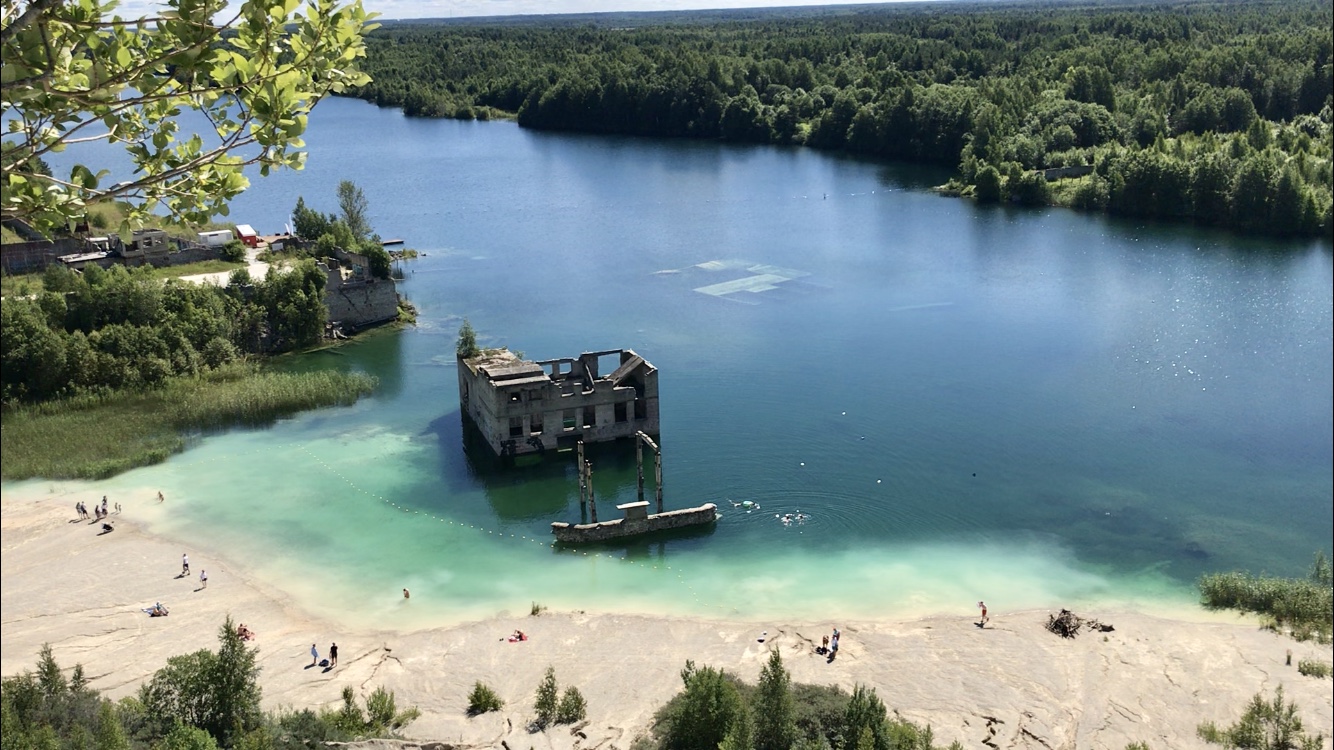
76,73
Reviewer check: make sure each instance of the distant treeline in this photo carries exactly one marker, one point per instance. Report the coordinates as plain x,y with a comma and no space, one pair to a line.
1216,112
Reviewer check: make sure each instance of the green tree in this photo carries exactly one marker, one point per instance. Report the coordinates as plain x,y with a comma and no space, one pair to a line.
352,208
572,706
216,692
865,715
467,344
775,725
483,699
73,72
1265,725
708,707
988,185
110,735
547,699
741,733
185,737
307,223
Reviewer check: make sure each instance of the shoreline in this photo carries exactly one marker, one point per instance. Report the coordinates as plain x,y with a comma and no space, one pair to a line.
1153,679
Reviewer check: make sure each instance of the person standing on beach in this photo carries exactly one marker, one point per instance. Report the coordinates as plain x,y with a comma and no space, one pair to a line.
983,606
333,654
160,498
185,565
314,655
406,595
203,579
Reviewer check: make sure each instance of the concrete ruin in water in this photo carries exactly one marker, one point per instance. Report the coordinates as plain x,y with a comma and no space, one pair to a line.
522,407
529,407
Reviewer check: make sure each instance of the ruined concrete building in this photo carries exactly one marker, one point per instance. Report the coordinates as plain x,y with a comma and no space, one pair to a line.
528,407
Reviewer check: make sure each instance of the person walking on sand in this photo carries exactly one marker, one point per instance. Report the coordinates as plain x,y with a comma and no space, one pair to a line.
314,655
983,622
203,579
333,654
160,498
185,565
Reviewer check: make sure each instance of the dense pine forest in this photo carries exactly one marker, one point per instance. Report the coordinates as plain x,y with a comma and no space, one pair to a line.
1216,112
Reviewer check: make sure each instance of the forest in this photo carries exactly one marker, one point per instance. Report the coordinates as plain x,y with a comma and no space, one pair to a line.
1213,112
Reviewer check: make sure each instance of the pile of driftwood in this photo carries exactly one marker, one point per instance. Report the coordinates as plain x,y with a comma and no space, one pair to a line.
1067,624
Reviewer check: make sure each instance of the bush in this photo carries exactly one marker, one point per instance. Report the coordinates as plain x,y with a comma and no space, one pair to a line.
1314,668
1264,726
233,252
483,699
546,702
572,707
1305,605
988,184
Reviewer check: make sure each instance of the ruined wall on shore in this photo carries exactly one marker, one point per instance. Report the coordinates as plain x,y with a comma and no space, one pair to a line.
360,302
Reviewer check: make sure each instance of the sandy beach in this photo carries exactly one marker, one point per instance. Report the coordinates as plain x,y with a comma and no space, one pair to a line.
1010,685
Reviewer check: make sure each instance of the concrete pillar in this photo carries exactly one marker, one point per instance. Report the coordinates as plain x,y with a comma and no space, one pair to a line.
657,479
592,503
583,487
639,463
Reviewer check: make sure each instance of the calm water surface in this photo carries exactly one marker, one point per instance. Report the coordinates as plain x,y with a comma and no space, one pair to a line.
1031,407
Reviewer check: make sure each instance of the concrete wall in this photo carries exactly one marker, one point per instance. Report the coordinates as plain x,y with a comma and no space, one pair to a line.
360,303
1060,173
621,527
27,257
541,409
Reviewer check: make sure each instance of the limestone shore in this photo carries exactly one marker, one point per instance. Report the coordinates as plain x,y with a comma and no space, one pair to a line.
1011,685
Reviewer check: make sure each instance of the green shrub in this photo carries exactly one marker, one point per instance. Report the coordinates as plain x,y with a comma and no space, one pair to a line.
546,701
572,707
1305,605
1265,725
483,699
1314,668
233,252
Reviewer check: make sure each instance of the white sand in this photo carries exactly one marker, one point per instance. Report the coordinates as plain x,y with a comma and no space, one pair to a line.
1012,685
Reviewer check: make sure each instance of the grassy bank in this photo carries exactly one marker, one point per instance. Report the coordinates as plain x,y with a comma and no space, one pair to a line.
93,437
1302,606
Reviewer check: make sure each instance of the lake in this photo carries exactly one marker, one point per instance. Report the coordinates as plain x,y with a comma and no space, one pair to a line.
1032,407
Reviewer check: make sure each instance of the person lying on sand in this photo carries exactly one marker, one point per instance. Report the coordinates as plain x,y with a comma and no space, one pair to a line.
517,636
157,610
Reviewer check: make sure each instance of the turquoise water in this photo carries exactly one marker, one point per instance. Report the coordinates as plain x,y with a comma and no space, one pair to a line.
1028,407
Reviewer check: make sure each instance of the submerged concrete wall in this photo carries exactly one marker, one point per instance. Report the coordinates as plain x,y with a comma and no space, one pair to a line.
622,527
361,302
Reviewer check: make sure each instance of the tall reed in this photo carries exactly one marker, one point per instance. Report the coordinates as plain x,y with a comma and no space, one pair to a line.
98,435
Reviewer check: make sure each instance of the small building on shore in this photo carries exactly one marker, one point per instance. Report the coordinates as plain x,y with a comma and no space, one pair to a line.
521,406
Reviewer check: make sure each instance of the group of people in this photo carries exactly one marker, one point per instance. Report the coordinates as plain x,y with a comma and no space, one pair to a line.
315,655
99,511
829,645
516,636
185,571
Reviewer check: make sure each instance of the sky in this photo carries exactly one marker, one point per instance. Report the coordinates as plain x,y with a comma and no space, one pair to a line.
400,9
